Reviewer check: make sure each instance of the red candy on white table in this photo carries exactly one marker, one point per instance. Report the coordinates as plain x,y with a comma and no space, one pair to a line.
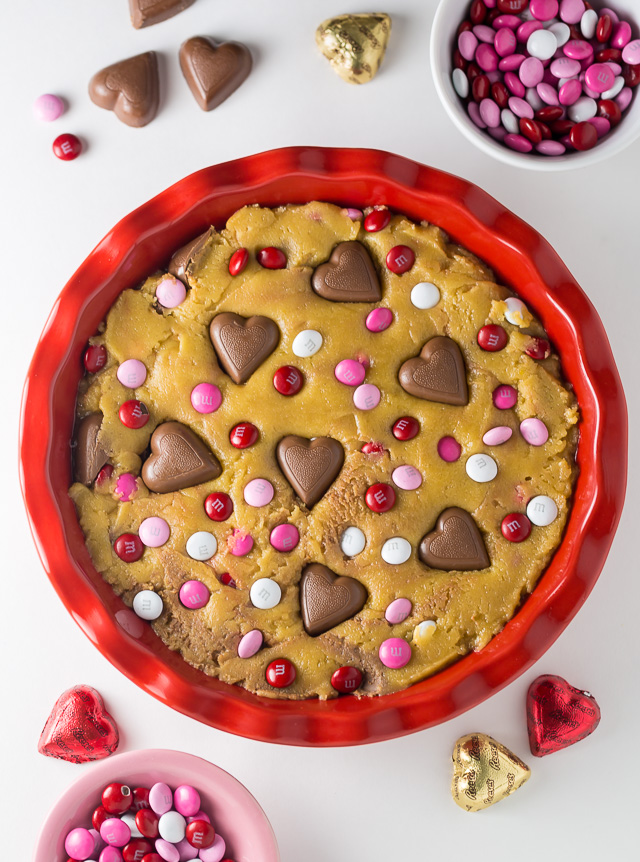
243,435
379,319
218,506
516,527
206,397
193,595
134,414
238,261
128,547
380,497
170,292
67,147
288,380
350,372
377,220
279,674
346,679
272,258
95,358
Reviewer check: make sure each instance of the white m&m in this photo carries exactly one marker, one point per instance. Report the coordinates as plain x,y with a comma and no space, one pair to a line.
352,541
425,295
542,511
396,551
147,605
481,468
307,343
265,594
201,545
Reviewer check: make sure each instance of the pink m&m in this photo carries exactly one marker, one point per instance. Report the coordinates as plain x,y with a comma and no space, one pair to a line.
239,543
497,436
132,373
258,492
543,10
250,643
534,431
48,107
599,77
110,854
366,397
170,292
449,449
284,537
169,852
350,372
193,595
79,844
186,800
154,532
505,397
115,832
407,477
126,487
398,611
394,653
379,319
206,397
215,853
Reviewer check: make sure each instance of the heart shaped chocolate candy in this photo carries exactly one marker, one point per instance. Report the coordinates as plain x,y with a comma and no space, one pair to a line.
326,599
129,88
558,714
144,13
310,466
179,459
484,772
355,44
213,71
90,455
438,374
186,257
348,276
79,728
455,544
242,344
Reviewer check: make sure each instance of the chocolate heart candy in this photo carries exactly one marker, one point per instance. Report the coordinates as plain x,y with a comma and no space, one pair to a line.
242,344
438,374
186,257
213,71
348,276
129,88
79,728
355,44
144,13
179,459
310,466
326,600
455,544
90,455
558,714
484,772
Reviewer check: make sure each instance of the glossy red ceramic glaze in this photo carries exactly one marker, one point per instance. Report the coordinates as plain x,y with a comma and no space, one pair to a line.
143,241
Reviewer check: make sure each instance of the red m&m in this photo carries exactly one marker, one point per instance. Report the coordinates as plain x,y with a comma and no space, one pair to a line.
280,673
405,428
238,261
199,834
134,414
95,358
67,147
117,798
129,548
288,380
377,220
516,527
380,497
272,258
492,338
400,259
243,435
346,679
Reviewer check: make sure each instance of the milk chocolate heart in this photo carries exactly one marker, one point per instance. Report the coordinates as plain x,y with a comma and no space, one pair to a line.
144,13
213,71
484,772
326,600
90,455
348,276
310,466
79,728
186,257
558,714
179,459
129,88
455,544
438,374
355,44
242,344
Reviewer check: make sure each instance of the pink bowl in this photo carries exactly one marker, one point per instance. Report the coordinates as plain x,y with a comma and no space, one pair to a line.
233,810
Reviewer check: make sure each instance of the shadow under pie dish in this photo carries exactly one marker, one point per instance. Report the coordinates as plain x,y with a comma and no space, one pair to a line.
518,255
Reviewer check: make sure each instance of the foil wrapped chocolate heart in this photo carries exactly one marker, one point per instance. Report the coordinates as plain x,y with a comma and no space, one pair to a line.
355,44
484,772
79,728
558,715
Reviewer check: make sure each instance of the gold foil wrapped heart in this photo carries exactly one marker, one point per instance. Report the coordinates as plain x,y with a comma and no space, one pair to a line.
355,44
484,772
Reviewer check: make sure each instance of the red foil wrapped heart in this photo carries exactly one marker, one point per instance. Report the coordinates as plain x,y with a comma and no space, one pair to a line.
558,714
79,728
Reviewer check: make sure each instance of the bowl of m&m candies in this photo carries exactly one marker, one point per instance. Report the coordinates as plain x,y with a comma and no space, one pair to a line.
156,806
541,84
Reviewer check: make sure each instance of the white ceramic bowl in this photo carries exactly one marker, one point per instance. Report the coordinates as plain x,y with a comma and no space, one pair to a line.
443,35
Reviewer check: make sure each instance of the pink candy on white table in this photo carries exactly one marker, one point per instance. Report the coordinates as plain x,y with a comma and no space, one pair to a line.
206,397
154,532
48,107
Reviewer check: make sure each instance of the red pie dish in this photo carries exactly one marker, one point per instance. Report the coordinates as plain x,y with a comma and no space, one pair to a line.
144,241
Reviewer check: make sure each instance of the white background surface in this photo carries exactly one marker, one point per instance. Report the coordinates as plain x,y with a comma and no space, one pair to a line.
390,801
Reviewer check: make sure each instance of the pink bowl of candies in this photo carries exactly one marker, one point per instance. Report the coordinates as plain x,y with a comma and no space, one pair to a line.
156,805
540,84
